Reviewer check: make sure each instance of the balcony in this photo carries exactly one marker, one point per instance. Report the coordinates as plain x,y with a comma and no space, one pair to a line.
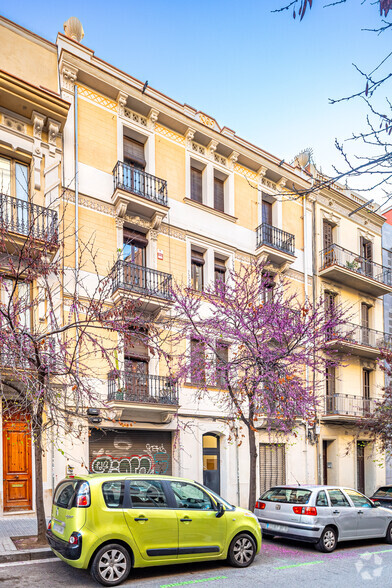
142,396
276,245
355,271
346,406
146,284
358,340
138,192
20,220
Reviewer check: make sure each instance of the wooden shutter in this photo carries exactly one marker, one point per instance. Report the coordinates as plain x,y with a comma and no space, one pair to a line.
135,238
365,315
272,465
327,234
135,347
266,208
330,381
197,257
219,196
366,249
198,361
196,185
134,152
130,452
366,383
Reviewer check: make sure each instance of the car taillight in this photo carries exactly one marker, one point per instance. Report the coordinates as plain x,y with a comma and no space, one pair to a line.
305,510
260,505
49,525
74,538
83,496
82,500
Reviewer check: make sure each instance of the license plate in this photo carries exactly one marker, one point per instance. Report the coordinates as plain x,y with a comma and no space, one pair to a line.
58,528
272,527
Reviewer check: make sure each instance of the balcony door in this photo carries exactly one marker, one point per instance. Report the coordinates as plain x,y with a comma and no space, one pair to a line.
365,324
266,209
136,379
328,243
134,253
367,255
135,163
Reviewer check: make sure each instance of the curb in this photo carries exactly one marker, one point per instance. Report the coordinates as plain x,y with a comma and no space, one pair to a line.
26,555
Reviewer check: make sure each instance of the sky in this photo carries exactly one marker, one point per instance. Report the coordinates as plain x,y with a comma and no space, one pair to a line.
263,74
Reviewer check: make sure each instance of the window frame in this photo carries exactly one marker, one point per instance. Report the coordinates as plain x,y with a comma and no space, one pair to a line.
12,187
348,505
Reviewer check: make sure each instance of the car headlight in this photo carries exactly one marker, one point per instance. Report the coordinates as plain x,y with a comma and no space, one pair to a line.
251,515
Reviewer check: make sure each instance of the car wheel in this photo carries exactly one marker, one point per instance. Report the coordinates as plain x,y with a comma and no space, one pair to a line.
111,565
242,551
328,540
388,536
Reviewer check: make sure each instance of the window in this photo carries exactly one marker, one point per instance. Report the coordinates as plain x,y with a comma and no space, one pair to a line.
65,493
220,270
21,301
327,234
147,494
329,307
134,153
134,248
366,383
384,491
289,495
322,499
267,292
330,380
222,359
272,465
14,179
196,185
266,210
358,499
219,194
365,324
197,273
337,498
198,365
190,496
113,493
367,254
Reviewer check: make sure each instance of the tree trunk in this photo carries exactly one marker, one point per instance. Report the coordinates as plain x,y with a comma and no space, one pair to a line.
252,469
39,493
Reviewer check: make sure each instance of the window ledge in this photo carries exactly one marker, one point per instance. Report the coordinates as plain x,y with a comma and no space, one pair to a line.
201,206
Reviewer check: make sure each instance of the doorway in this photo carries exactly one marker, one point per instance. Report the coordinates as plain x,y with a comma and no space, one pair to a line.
17,466
361,466
211,462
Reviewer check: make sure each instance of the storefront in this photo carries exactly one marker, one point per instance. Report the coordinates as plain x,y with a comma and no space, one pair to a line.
130,451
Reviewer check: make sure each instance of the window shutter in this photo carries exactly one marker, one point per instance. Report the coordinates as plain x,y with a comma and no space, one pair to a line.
135,238
272,465
219,195
327,233
134,152
197,257
266,208
365,315
366,247
196,185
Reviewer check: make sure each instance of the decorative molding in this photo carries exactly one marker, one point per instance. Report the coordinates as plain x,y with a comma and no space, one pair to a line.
189,136
14,124
198,148
169,134
153,118
136,220
329,216
220,159
122,98
92,96
119,222
135,117
212,145
366,234
121,209
251,175
271,185
53,132
69,75
38,121
173,232
281,184
233,158
262,171
242,257
91,203
153,234
207,121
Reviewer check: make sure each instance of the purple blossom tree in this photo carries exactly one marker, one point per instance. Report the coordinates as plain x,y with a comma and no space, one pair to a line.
259,345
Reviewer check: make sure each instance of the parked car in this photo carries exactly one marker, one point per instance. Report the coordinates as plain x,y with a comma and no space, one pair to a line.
111,523
383,496
323,515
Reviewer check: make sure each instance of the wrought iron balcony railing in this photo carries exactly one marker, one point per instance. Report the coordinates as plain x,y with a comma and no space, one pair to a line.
274,237
136,181
348,405
142,388
359,335
28,219
143,280
338,256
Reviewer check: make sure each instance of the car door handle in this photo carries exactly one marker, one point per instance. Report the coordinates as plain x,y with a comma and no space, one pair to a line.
360,512
187,520
335,511
141,519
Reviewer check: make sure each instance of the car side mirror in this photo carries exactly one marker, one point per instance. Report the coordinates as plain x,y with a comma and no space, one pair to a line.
220,510
376,503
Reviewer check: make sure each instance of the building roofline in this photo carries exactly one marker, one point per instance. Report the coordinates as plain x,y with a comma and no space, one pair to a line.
10,24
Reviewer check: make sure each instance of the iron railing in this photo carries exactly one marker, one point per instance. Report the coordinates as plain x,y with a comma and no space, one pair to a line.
137,278
269,235
359,335
348,405
143,388
28,219
336,255
128,178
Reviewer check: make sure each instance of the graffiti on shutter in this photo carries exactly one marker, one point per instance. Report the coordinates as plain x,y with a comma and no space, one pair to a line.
272,465
136,452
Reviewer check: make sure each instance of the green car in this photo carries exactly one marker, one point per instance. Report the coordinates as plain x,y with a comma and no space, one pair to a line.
111,523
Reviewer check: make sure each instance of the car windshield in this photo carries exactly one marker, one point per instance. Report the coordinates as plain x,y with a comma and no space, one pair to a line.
218,498
289,495
384,491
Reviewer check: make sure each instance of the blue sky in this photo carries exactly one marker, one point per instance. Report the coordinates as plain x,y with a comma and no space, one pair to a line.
264,75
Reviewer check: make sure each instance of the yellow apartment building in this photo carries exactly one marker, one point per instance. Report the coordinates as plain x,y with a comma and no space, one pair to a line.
169,194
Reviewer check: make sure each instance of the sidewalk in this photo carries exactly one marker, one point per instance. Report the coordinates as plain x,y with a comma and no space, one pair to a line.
17,527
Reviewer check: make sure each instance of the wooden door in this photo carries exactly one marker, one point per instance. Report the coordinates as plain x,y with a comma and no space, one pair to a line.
367,254
17,465
365,323
360,467
325,462
266,213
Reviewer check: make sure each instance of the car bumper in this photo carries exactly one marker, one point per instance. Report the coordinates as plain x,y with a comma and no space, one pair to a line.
64,549
308,533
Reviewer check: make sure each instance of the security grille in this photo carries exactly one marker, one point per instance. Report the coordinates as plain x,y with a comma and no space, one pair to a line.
272,465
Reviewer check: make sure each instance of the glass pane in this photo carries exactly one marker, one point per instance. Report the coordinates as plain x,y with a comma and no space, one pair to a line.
210,462
322,499
113,493
21,182
337,498
384,491
64,493
147,494
290,495
210,441
191,496
358,499
5,176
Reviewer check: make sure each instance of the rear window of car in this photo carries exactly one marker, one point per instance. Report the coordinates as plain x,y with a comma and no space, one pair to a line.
113,493
65,493
384,491
289,495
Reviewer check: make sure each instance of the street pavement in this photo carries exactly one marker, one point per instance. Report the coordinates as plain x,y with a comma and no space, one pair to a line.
281,563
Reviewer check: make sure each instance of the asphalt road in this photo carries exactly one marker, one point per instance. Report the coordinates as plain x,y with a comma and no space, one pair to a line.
280,564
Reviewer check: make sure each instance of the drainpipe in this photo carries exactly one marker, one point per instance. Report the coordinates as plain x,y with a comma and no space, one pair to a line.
305,261
76,221
238,468
314,296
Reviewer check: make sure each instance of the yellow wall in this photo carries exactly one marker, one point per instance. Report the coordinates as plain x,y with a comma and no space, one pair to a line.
245,202
97,136
170,166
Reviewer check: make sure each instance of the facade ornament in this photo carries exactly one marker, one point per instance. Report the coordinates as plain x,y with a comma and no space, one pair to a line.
139,222
53,131
119,222
189,137
153,234
281,184
157,221
212,145
69,75
121,209
122,102
38,121
262,171
233,158
152,118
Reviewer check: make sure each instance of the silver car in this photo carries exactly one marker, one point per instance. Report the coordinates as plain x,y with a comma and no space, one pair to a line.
322,515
